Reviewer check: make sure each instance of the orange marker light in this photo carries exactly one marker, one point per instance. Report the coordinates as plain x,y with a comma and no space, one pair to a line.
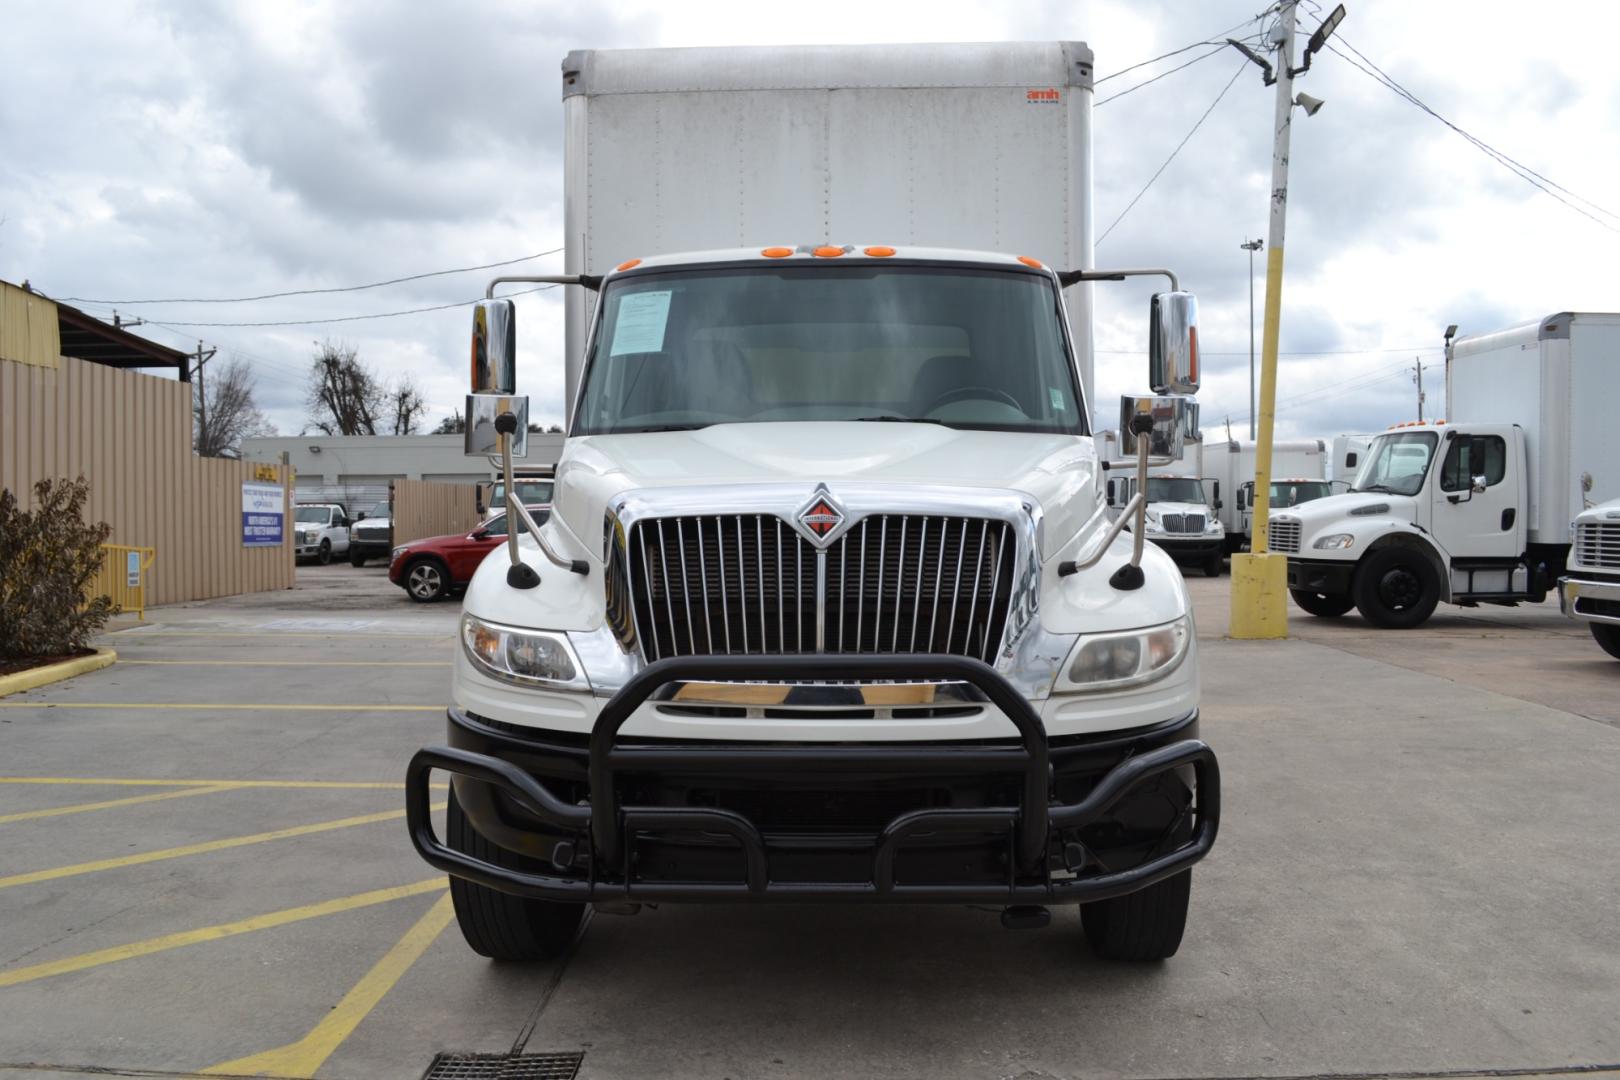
1034,264
776,252
879,252
628,264
827,252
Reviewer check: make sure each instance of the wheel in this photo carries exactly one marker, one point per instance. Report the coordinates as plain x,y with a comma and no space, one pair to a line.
355,558
1214,565
324,556
1608,636
1322,605
426,581
499,925
1395,588
1143,925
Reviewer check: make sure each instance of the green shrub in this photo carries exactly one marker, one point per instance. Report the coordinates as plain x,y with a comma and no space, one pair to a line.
48,563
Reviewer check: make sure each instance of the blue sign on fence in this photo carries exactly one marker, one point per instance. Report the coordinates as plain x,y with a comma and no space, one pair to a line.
263,512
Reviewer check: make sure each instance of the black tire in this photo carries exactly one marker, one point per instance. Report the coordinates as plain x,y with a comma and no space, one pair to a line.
324,555
1143,925
355,558
1214,565
1395,588
496,924
1322,605
427,581
1608,636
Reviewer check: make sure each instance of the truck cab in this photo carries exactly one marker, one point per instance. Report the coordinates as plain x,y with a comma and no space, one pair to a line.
1436,512
1291,491
1183,518
1590,592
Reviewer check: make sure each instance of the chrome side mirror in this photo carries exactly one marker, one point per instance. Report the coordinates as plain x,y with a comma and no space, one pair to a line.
494,348
1479,485
1173,354
1167,439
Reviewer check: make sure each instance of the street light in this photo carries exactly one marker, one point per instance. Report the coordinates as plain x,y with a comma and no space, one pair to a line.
1251,246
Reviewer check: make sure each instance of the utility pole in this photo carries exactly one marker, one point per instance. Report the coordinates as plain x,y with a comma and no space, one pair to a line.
1251,246
1260,579
1417,367
202,395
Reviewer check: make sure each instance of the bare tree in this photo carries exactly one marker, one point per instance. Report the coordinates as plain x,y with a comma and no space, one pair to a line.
344,396
454,424
406,405
231,416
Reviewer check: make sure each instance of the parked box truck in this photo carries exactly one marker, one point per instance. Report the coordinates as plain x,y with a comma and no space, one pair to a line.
1476,508
1298,470
1590,592
829,606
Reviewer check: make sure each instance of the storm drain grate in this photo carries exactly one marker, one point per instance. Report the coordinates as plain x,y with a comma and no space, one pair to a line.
504,1067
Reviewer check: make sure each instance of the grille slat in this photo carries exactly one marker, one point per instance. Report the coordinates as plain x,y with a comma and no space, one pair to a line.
955,570
1597,543
1283,536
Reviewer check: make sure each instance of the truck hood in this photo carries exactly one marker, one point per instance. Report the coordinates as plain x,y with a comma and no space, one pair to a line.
1057,472
1347,513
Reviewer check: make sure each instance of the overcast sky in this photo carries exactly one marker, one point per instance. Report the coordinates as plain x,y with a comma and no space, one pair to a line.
154,150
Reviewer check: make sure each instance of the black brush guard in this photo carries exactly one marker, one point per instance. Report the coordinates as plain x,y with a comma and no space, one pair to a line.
612,828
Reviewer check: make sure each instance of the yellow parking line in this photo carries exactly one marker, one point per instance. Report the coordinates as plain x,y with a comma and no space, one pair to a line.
291,663
304,1057
214,933
79,808
123,782
236,705
197,849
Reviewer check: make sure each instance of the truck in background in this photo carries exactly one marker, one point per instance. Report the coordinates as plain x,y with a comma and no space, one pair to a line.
1183,514
829,607
1591,590
1229,465
1477,508
1348,452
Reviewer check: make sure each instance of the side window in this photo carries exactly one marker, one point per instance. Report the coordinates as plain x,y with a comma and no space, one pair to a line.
1471,456
496,526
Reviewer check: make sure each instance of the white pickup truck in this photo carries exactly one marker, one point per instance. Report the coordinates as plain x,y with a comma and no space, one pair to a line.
320,531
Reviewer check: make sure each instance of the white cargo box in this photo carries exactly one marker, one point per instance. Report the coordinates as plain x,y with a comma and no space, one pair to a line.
986,147
1556,379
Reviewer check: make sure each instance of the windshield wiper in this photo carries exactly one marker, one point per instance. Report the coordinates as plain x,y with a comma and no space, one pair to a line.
1376,487
890,419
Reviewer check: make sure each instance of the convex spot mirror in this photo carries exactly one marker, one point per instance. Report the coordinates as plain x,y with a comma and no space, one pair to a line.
1171,422
1173,355
481,438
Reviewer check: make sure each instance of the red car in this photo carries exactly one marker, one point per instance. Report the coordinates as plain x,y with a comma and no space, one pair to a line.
437,566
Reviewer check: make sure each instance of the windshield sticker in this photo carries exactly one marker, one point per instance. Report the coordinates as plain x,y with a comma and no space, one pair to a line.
640,325
1057,399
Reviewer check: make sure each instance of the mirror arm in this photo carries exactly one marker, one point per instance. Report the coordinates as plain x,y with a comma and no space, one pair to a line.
1074,566
590,281
1070,277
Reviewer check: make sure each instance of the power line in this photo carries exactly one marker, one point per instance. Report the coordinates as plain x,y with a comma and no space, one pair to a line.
1213,39
311,292
1242,66
1163,75
357,318
1524,172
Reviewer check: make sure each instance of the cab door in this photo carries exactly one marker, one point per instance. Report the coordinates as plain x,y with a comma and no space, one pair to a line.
1477,496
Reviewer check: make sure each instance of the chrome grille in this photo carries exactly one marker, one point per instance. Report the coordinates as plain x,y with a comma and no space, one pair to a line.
1182,523
750,583
1283,536
1597,544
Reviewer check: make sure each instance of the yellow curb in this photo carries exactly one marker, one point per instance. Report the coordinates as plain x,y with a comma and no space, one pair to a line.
44,676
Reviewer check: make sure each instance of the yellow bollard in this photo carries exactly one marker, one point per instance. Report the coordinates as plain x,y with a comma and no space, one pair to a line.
1259,596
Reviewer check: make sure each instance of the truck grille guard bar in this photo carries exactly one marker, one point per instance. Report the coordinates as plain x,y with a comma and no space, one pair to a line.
611,827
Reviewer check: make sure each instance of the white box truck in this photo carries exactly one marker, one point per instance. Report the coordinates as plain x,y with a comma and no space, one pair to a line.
1590,592
829,607
1477,508
1348,450
1298,471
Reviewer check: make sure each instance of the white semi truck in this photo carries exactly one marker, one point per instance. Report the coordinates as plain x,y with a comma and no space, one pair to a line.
1477,508
829,607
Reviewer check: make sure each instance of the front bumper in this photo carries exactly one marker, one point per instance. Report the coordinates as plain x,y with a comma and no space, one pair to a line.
373,547
1590,600
1190,547
663,820
1320,576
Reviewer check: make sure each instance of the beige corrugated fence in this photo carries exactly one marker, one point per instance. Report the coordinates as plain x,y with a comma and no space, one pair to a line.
423,508
130,436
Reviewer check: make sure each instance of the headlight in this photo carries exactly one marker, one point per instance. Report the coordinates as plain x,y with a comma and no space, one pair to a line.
311,535
1214,526
1130,658
1334,542
529,657
396,553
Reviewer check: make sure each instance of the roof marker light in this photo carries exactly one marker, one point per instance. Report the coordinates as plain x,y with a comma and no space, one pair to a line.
628,264
1034,264
827,251
879,252
776,252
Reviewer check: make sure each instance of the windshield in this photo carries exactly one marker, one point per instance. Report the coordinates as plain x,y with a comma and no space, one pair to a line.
379,511
1183,489
1397,463
530,492
314,515
968,348
1292,493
